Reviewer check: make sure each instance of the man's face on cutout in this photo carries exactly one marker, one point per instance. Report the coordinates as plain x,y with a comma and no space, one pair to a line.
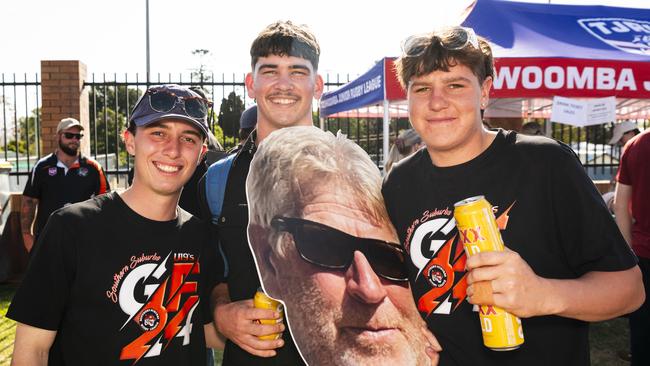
348,316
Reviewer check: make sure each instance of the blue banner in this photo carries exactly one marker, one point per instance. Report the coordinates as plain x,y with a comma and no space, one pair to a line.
550,30
365,90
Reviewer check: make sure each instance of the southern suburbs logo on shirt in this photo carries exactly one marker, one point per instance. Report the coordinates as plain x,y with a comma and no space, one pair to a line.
629,35
434,249
169,301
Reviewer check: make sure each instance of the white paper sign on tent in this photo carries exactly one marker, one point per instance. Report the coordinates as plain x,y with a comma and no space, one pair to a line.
601,110
582,113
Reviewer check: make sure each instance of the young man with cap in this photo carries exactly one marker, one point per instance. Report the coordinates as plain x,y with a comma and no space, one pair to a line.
284,81
125,279
566,263
60,178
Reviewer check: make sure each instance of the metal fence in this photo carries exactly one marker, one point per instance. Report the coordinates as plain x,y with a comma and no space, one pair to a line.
112,97
590,144
20,124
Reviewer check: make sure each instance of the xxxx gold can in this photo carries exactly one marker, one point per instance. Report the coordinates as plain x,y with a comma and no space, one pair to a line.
478,232
262,301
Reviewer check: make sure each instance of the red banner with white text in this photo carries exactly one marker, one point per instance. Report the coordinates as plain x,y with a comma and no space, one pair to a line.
568,77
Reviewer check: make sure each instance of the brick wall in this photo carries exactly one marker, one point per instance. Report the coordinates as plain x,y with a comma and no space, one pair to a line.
63,96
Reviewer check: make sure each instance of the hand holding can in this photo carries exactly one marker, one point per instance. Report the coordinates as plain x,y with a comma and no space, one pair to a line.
263,301
478,232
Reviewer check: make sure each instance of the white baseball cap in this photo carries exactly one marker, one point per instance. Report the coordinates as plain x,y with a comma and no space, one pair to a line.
620,129
67,123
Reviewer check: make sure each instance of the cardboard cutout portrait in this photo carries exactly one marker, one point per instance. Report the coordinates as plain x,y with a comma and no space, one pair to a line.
324,246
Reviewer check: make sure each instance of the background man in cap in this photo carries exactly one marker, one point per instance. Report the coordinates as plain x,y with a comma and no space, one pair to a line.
60,178
247,123
623,132
124,279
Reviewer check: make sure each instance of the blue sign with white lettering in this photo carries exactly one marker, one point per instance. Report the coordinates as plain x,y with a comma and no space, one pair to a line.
365,90
553,30
629,35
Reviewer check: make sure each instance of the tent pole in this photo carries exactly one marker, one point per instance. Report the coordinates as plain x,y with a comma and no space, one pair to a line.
386,129
322,123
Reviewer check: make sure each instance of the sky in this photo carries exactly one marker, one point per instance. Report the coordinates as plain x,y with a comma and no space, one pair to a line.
109,36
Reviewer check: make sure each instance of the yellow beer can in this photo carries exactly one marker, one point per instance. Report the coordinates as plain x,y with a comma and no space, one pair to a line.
262,301
478,232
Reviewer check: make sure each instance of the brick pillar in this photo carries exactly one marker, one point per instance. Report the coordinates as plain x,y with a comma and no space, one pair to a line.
63,95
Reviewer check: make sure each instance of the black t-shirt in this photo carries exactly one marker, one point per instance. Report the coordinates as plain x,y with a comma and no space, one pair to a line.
118,288
242,277
54,188
553,217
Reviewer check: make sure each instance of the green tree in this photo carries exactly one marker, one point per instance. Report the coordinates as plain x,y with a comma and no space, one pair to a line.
201,74
229,114
106,125
367,132
597,134
26,133
105,96
105,136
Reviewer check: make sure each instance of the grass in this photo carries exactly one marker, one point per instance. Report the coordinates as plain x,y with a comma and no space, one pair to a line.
607,338
7,326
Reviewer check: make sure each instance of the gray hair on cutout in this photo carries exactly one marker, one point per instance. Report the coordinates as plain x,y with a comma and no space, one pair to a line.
293,160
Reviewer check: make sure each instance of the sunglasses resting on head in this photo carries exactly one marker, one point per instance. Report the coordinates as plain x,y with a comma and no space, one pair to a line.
164,101
455,38
333,249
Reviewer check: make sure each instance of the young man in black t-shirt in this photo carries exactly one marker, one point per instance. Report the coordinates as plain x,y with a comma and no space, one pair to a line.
284,81
566,262
126,279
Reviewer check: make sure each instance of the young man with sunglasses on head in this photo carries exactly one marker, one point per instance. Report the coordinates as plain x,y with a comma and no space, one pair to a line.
126,279
59,179
324,245
566,263
284,81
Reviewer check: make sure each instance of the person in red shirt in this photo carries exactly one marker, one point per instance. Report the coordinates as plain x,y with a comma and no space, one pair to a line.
632,209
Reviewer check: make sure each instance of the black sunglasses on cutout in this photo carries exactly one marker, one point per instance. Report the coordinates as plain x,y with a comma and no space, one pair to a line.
330,248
